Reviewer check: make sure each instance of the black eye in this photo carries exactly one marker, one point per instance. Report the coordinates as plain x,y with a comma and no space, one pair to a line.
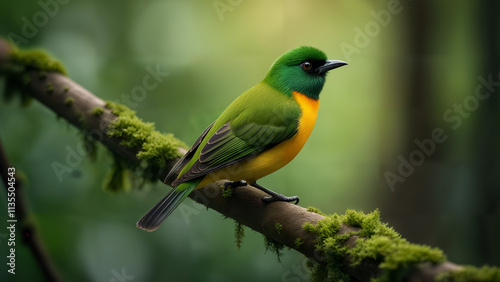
306,65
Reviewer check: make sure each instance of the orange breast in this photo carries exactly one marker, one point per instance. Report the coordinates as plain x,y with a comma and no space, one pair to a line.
275,158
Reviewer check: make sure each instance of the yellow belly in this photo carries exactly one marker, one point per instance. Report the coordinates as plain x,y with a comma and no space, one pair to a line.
275,158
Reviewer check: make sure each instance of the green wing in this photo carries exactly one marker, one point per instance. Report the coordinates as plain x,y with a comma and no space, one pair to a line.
236,141
187,157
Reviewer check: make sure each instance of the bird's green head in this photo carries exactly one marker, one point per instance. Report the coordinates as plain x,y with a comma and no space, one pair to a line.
302,69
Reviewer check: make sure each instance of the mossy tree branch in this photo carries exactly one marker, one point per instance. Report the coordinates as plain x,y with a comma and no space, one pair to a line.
335,243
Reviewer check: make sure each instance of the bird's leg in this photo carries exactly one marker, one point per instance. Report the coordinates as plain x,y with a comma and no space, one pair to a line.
275,196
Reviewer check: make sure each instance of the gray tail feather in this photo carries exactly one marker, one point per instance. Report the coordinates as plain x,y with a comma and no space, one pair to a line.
157,214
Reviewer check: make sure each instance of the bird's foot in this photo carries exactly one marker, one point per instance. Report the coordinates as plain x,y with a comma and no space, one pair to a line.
234,184
228,187
280,198
275,196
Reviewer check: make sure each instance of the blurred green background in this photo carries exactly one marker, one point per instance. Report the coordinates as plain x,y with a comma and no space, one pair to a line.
414,67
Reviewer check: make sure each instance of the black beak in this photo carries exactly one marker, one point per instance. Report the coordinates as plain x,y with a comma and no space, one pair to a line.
330,65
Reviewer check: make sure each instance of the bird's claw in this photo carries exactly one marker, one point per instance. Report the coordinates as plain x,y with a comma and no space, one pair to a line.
234,184
280,198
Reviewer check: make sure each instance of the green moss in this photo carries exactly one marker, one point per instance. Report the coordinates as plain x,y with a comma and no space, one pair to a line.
134,133
66,88
278,227
17,73
154,147
354,218
119,109
159,147
298,242
69,101
97,111
471,273
315,210
330,245
319,272
26,79
117,178
239,233
376,241
324,229
16,84
37,59
397,256
227,191
90,146
49,88
80,119
273,246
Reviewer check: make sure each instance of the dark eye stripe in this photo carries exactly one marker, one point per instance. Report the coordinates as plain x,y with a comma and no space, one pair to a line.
309,65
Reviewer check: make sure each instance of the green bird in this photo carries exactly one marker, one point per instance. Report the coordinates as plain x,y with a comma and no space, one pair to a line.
260,132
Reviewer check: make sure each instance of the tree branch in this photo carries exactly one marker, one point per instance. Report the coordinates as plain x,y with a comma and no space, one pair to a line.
244,206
